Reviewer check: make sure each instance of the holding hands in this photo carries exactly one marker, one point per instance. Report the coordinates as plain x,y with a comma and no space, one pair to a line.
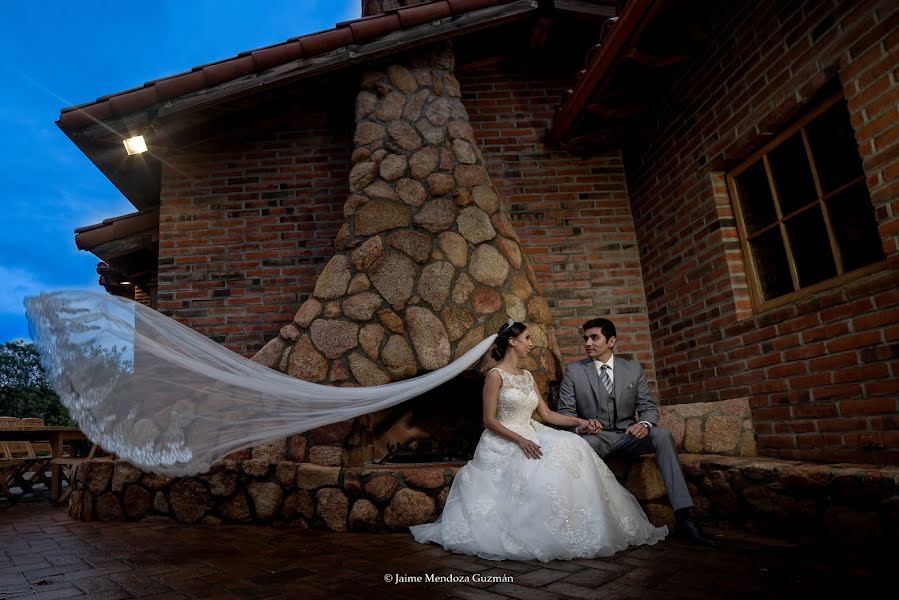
588,426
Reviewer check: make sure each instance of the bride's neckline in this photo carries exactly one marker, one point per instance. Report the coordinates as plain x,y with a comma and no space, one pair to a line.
523,371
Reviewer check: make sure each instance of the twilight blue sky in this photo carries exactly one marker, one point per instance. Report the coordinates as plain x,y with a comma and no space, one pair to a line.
59,53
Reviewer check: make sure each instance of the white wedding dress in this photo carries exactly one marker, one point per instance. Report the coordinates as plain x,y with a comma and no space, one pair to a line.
564,505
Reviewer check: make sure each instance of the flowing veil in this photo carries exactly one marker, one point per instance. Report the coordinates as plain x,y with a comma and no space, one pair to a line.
169,400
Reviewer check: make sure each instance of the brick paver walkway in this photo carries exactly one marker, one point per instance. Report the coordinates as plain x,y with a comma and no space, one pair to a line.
45,554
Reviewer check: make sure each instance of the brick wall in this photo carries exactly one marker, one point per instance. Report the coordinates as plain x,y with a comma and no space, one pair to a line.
248,221
247,224
822,373
572,214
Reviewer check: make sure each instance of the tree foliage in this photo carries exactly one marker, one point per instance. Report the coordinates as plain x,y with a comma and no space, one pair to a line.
24,390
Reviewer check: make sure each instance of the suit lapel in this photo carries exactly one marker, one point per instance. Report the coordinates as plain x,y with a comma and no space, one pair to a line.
619,372
593,377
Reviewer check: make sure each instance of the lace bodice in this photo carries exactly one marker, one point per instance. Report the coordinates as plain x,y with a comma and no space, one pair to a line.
517,400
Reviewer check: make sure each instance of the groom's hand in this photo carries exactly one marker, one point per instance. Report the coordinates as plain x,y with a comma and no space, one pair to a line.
638,431
589,426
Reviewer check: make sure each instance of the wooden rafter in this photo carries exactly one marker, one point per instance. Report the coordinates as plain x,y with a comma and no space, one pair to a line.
645,59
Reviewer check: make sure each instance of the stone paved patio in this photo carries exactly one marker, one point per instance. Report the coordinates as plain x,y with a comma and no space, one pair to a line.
45,554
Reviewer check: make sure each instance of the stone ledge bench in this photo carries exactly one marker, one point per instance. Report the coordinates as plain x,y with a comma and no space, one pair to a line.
731,487
853,503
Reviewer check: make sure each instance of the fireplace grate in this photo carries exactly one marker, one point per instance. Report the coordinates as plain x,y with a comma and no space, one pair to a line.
428,451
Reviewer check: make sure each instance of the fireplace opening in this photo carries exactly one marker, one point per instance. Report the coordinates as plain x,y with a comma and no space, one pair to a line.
442,425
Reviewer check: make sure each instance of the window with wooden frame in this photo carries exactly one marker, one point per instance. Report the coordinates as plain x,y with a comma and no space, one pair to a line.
805,218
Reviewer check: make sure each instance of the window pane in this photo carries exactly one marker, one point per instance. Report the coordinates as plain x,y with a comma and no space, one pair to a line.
755,197
792,175
771,263
855,227
834,148
811,247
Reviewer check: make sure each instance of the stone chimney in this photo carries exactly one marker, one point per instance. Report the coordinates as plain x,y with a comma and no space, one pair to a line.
427,264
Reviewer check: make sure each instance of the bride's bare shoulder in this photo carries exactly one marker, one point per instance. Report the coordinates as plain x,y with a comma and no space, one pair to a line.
494,374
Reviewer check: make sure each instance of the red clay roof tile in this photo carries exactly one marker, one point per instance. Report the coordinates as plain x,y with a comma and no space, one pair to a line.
341,24
180,85
349,32
132,100
75,118
370,28
410,16
325,41
100,111
463,6
115,228
266,58
227,70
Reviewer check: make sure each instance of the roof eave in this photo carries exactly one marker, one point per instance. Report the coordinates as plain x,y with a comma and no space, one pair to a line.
99,128
116,228
635,17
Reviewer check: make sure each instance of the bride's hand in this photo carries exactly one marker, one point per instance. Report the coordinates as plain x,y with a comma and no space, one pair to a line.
588,426
530,449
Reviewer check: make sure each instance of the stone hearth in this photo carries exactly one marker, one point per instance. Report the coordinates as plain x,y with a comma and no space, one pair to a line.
730,485
443,425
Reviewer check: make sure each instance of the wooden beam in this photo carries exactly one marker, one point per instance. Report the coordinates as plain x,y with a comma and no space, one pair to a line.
489,61
540,35
613,111
585,9
596,142
115,249
627,31
645,59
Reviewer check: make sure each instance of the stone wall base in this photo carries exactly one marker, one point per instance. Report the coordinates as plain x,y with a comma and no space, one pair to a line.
849,502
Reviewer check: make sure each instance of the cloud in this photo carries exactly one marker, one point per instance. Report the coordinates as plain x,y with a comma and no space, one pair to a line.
17,284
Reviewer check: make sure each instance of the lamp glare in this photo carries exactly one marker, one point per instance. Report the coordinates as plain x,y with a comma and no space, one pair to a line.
135,145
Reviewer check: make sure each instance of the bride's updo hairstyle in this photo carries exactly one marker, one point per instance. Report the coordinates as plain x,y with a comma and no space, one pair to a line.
506,332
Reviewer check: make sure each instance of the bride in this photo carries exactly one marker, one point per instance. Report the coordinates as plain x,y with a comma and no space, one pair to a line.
533,492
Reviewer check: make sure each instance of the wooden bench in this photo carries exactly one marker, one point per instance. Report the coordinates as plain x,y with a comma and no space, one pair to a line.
22,467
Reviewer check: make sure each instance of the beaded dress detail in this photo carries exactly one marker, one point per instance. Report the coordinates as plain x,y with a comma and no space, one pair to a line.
565,505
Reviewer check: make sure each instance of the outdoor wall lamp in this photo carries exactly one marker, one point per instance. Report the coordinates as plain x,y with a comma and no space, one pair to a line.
135,145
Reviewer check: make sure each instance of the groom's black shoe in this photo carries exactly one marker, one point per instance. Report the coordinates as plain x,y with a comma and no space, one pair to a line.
687,528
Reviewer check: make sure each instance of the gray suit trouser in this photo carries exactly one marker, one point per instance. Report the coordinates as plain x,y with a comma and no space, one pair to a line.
659,442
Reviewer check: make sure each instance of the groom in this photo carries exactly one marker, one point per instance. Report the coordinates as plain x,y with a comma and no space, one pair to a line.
613,391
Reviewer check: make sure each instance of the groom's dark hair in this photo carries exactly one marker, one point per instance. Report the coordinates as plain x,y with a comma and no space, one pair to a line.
608,328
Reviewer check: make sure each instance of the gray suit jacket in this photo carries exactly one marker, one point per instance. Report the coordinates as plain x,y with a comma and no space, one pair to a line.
582,395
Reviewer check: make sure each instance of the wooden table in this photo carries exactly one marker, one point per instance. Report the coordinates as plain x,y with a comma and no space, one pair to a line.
56,436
